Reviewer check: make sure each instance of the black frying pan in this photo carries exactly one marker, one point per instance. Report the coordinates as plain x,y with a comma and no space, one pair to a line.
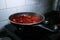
31,13
25,14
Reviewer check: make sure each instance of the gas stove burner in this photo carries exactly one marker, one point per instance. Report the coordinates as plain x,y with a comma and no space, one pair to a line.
5,34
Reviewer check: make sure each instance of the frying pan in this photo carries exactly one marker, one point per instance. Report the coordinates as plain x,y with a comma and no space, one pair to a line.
26,14
33,14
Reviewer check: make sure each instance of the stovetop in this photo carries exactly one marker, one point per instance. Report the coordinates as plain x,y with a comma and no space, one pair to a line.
29,33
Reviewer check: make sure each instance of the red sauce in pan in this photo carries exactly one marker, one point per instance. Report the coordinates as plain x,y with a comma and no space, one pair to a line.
26,19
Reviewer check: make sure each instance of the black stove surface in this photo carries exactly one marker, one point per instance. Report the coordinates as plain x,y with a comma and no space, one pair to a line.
29,33
25,33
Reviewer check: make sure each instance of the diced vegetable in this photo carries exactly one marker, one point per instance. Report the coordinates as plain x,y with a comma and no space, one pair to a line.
26,19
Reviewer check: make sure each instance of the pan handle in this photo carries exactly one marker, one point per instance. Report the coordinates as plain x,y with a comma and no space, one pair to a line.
55,28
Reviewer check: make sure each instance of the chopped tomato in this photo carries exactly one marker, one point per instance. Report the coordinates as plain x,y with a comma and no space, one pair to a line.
26,19
14,20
